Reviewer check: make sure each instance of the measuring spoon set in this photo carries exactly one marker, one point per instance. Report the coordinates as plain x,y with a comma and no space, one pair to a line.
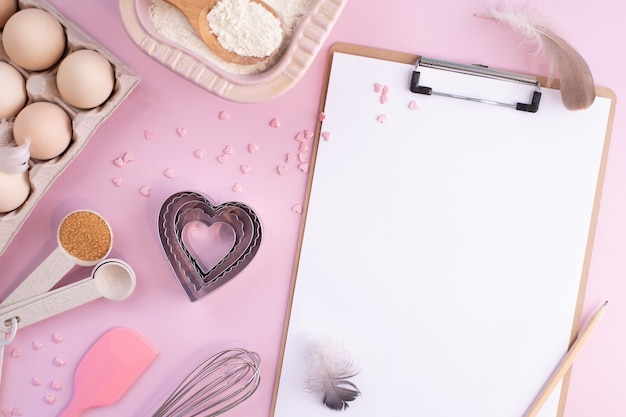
84,238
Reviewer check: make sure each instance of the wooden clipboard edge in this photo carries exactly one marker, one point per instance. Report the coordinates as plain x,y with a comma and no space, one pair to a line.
408,58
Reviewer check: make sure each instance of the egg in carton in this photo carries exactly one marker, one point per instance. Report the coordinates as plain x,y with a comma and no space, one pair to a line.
41,87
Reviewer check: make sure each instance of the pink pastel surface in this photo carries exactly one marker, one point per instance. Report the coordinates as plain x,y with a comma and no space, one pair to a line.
168,136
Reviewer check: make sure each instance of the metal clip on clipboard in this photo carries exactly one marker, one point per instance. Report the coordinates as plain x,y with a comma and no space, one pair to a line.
424,64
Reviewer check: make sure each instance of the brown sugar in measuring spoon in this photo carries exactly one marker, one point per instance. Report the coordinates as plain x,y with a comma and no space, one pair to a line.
196,12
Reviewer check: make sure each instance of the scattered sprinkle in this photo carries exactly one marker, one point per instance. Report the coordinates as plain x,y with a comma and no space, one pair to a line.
56,338
17,411
413,105
252,148
118,162
300,137
303,147
169,173
385,90
282,170
384,99
322,116
222,159
228,150
181,131
289,158
37,345
198,153
304,167
36,381
297,208
224,115
378,87
149,134
382,119
117,181
128,157
275,122
58,361
245,168
237,188
16,353
145,191
326,136
308,134
49,399
56,385
302,157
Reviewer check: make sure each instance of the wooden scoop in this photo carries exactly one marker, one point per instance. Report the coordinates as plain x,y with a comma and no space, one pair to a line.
196,12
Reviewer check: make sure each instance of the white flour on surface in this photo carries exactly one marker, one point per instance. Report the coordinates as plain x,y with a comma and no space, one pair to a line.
245,27
173,25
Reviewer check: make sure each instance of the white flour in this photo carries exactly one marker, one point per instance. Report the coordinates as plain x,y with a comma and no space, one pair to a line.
245,27
172,25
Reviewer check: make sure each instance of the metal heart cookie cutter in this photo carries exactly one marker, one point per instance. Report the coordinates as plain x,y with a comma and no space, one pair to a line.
207,245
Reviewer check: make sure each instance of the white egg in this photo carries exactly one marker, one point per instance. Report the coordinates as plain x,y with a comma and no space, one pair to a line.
7,8
14,190
33,39
13,88
85,79
47,125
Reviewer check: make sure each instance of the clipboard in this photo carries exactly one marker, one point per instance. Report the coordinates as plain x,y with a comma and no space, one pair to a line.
445,243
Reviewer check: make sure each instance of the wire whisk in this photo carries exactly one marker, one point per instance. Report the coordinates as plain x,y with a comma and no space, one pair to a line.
218,384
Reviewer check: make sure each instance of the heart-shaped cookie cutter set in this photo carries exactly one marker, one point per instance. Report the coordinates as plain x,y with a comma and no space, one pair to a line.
187,207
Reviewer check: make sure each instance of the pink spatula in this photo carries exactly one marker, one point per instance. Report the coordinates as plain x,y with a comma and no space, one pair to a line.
108,369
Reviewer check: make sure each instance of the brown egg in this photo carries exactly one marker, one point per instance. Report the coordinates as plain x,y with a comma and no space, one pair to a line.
13,87
14,190
33,39
47,125
85,79
7,8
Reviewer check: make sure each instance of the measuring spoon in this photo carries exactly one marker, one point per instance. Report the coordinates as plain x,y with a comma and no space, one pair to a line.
112,279
84,238
196,12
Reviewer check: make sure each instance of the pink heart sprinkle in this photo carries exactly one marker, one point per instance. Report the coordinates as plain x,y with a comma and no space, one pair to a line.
322,116
224,115
56,385
228,150
222,159
275,122
237,188
252,148
297,208
58,361
117,182
49,399
181,131
289,158
37,345
149,134
385,90
304,167
413,105
128,157
198,153
145,191
119,162
36,381
300,137
282,170
245,168
169,173
308,134
303,147
302,157
7,413
326,136
16,353
57,338
18,412
378,87
382,119
384,99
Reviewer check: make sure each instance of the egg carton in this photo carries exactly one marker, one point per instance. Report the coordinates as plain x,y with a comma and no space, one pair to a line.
41,86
